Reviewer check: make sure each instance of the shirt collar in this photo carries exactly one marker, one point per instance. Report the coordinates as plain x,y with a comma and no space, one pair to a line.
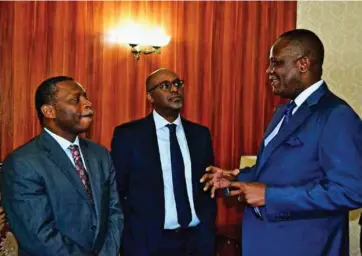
62,142
307,92
161,122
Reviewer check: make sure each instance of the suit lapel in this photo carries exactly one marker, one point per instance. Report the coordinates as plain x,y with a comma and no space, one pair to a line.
192,145
304,111
298,119
275,121
59,158
149,146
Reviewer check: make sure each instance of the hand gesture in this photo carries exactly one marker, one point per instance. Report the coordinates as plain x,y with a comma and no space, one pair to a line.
254,193
217,178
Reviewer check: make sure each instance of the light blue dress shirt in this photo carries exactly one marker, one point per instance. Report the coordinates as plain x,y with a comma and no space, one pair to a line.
163,140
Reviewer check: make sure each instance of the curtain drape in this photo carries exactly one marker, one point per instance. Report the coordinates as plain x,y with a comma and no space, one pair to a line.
220,49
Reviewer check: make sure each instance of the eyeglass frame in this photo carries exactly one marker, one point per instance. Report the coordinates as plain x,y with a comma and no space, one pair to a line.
178,83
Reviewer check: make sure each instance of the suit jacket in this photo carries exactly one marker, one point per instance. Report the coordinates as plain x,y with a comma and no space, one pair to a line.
139,175
313,172
47,206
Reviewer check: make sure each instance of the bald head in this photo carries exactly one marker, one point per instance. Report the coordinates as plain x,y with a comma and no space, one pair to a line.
158,76
308,44
165,92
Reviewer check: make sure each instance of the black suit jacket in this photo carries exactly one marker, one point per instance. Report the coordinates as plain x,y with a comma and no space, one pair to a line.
137,161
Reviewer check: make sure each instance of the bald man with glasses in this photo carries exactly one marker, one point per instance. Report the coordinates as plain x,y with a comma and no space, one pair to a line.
159,161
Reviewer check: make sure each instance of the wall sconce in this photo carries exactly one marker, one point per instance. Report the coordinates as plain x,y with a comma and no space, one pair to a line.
143,39
137,50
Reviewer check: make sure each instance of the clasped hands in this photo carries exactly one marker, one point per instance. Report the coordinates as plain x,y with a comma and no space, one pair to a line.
217,178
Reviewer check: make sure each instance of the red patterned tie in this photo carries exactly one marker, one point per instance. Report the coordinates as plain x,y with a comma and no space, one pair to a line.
79,166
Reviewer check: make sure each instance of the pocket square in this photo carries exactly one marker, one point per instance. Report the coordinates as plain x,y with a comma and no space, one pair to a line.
294,142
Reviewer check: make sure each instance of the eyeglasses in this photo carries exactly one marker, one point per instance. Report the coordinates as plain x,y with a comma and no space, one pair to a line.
167,85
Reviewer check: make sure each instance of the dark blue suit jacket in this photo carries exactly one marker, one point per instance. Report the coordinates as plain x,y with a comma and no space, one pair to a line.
313,172
136,157
47,206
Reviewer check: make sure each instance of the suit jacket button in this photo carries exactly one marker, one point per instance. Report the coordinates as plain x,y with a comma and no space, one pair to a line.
93,228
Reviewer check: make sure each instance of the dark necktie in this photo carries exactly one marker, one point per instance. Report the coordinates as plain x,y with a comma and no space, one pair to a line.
288,113
179,181
79,166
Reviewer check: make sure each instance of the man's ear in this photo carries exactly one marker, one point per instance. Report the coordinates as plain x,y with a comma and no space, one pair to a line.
48,111
150,98
304,64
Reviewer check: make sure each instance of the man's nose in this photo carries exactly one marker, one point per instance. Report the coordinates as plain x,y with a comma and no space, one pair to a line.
270,69
174,88
87,103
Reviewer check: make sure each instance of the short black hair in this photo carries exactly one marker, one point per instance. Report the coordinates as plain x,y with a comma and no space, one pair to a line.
309,43
46,93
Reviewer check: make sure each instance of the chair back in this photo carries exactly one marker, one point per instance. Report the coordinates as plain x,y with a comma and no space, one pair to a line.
247,161
8,244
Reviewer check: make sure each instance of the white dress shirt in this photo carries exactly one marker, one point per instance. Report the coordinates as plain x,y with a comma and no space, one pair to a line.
298,101
64,144
163,140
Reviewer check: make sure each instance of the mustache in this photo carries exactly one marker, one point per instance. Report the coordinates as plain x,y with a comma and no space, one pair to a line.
273,77
175,96
88,114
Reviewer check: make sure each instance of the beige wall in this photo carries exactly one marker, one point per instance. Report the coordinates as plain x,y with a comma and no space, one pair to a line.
339,25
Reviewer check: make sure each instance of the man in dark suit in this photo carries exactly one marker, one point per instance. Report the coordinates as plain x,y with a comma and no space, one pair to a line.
59,190
308,173
159,161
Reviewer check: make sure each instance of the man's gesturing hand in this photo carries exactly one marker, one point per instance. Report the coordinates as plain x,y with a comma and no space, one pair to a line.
254,193
216,178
